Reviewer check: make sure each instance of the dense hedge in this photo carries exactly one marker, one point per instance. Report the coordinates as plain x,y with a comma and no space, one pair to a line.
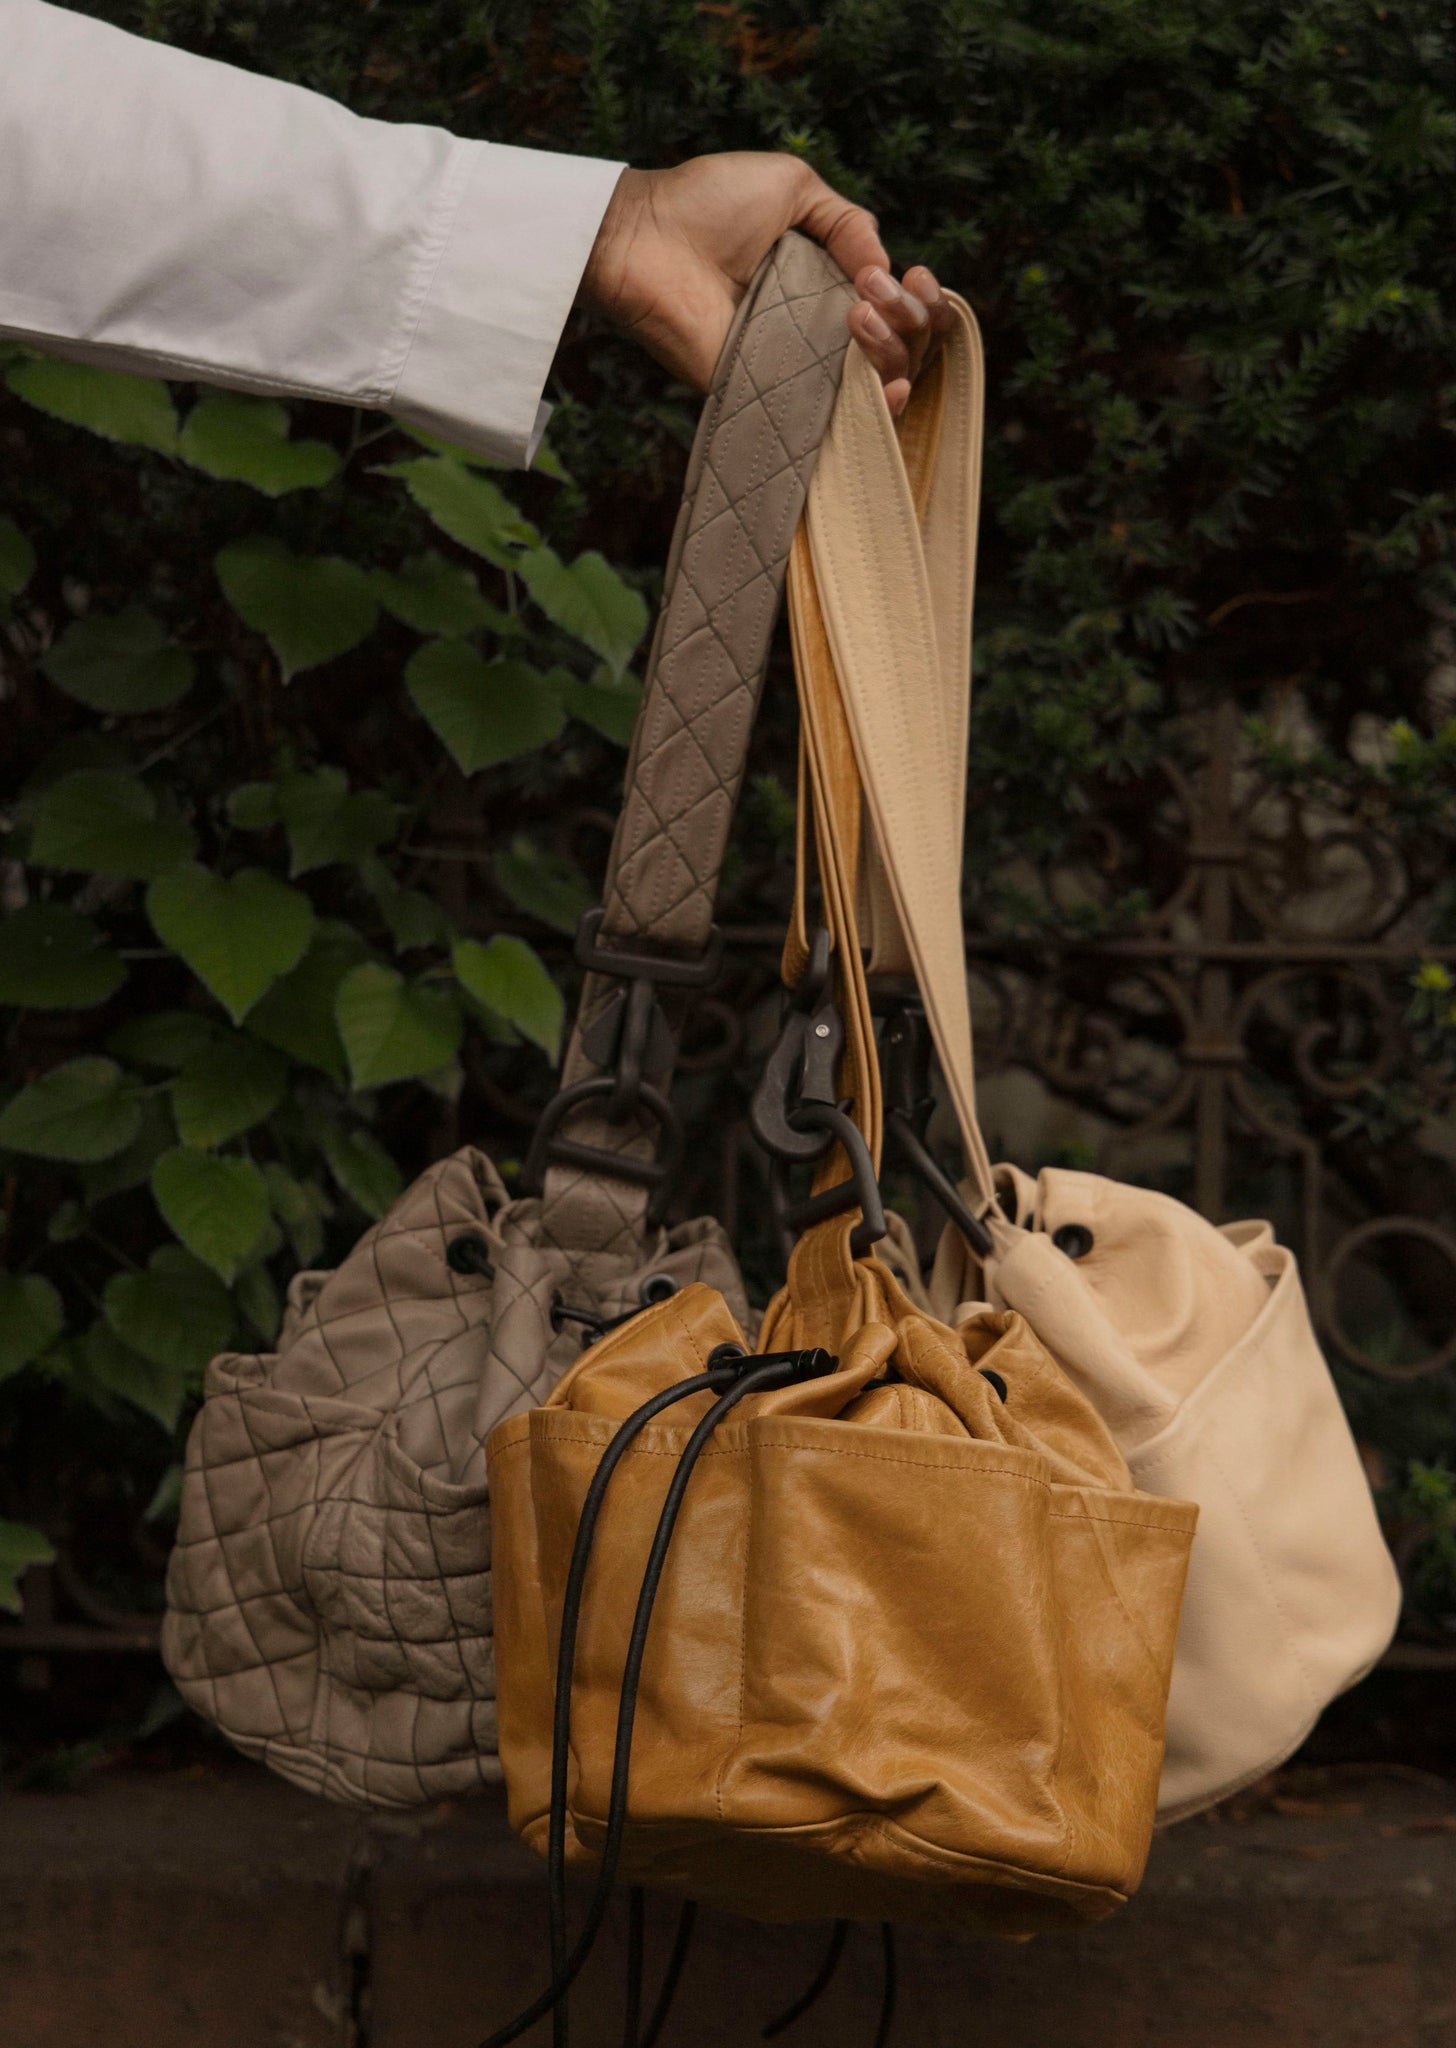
254,684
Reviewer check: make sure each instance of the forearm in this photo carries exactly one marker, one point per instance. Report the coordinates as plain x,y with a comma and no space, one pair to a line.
168,215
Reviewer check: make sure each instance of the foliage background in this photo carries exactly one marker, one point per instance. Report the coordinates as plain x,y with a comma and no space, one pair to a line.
276,940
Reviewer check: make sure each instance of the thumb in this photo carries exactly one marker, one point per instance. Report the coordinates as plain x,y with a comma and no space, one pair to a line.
850,233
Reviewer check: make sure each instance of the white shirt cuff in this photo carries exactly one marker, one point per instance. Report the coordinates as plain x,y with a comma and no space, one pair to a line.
495,294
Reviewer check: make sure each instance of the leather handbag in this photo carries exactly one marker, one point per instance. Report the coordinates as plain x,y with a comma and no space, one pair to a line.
869,1623
329,1596
1193,1341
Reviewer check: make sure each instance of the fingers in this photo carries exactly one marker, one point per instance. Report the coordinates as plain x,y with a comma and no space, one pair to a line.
899,325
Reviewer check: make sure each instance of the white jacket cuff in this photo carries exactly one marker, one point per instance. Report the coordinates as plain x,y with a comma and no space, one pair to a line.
495,288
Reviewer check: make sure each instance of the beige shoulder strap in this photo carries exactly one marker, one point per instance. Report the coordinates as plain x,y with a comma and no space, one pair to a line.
894,567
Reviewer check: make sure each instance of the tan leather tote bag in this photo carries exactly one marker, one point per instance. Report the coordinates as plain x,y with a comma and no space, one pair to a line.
1193,1342
329,1597
870,1623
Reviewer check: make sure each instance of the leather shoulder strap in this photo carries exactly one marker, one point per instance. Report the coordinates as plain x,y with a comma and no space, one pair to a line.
755,450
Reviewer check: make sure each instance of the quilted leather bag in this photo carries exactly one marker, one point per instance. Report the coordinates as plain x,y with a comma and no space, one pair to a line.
329,1597
1193,1342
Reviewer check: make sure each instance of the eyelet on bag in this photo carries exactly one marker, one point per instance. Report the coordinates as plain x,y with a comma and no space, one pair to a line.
656,1287
995,1380
1075,1239
469,1253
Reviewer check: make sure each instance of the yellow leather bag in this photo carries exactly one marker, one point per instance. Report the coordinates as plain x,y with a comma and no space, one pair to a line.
871,1624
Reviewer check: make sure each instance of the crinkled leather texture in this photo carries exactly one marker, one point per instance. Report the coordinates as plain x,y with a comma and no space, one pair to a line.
329,1596
911,1648
1195,1344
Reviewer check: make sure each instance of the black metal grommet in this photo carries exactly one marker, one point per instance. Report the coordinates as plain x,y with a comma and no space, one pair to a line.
469,1253
994,1379
1075,1239
656,1287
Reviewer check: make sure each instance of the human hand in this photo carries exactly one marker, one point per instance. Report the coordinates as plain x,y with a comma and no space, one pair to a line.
677,249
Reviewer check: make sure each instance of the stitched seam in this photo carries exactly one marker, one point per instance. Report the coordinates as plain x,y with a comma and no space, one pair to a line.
433,245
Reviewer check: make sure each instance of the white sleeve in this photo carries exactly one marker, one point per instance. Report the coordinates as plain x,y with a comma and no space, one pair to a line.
168,215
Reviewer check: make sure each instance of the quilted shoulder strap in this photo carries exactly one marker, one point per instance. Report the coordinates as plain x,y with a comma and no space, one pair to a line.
595,1157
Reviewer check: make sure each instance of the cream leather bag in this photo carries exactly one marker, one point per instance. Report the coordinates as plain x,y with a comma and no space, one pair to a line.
1193,1342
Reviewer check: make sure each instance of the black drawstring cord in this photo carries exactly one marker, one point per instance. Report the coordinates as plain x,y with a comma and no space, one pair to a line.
823,1978
636,1936
672,1974
887,1995
745,1376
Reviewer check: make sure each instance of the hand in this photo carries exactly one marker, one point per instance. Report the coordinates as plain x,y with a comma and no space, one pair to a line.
676,250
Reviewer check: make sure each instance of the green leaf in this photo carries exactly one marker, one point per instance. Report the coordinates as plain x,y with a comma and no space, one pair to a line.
105,1365
122,663
484,711
246,441
392,1031
217,1207
238,934
137,410
544,885
66,1222
297,1013
31,1319
87,1109
103,821
309,608
612,710
589,600
17,559
302,1207
469,507
20,1548
177,1313
363,1169
163,1038
325,823
414,919
434,596
226,1087
132,1168
257,1297
510,977
253,806
51,958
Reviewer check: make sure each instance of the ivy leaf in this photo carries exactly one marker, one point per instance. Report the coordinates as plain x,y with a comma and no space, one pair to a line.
469,507
297,1013
484,711
309,608
122,663
544,885
31,1319
414,919
136,410
218,1207
86,1109
176,1313
104,1365
20,1548
225,1088
392,1031
610,708
51,959
245,440
434,596
163,1038
257,1297
589,600
326,824
103,821
510,977
363,1169
237,934
132,1167
302,1207
17,559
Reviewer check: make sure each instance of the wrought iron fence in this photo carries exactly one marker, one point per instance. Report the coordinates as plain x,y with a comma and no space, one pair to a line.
1246,1043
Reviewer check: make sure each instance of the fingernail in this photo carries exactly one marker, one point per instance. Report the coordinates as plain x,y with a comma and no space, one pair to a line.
873,325
881,287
